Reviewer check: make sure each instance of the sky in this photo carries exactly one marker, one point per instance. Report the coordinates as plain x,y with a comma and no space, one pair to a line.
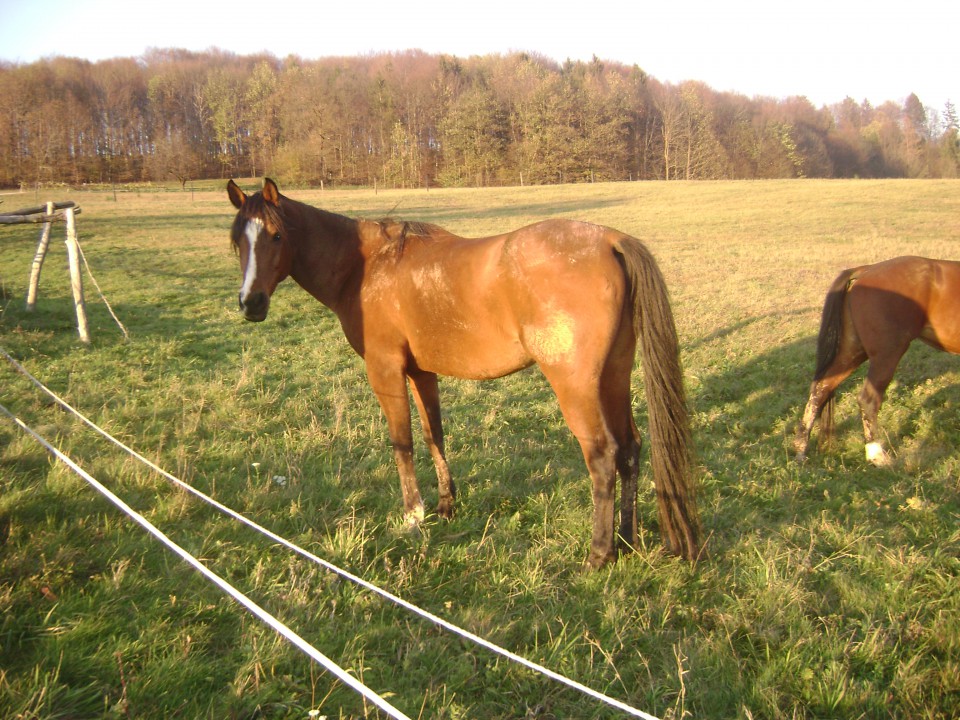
825,50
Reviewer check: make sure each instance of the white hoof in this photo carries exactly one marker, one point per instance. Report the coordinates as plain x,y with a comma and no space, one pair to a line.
876,454
414,517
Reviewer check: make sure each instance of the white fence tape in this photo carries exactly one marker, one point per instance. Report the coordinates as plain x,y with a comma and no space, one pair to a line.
426,615
245,601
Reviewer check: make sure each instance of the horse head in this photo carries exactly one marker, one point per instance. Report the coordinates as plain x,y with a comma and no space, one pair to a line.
261,240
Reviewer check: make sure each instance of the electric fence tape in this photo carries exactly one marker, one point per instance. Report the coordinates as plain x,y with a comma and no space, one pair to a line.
435,619
237,595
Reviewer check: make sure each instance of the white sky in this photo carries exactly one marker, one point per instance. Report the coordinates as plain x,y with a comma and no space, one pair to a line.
823,49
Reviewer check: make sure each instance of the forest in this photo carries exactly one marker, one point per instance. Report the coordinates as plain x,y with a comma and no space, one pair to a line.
412,119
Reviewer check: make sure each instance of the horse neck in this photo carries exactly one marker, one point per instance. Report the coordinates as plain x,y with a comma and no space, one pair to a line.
327,254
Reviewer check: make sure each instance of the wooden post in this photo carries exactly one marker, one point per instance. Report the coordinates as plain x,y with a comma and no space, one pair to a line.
38,261
76,279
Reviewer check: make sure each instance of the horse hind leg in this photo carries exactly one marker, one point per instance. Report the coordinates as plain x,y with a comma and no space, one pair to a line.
871,398
811,412
600,455
581,405
618,418
822,391
628,466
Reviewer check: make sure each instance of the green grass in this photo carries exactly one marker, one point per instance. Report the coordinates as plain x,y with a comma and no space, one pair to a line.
831,590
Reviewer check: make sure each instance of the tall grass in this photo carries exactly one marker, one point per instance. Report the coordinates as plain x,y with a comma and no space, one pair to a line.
829,590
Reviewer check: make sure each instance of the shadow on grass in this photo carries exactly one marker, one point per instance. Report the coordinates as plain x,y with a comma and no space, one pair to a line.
746,412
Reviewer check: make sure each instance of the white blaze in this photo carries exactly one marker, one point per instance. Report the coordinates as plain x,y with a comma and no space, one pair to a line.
253,232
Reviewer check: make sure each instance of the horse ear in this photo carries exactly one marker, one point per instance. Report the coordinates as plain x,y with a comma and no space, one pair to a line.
235,194
270,192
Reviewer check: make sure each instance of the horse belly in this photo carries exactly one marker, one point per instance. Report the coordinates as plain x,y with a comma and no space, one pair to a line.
943,332
455,316
469,349
943,312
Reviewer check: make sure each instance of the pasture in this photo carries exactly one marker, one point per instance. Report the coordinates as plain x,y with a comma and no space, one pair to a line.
830,589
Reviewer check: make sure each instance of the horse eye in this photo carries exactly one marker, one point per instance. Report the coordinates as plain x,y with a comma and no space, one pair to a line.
276,237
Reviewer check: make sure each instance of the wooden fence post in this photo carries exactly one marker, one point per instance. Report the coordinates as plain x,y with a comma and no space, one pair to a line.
38,261
76,279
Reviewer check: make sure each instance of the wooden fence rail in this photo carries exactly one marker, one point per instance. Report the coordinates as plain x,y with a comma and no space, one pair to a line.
26,215
48,214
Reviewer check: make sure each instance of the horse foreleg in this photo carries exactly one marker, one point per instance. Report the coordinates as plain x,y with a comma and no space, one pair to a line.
391,392
426,393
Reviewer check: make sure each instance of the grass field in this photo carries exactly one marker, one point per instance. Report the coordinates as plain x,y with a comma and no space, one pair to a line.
831,590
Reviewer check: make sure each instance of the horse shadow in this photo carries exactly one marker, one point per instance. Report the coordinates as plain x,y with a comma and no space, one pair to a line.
746,411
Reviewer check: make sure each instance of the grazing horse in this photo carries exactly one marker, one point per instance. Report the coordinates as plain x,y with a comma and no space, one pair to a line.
416,301
874,312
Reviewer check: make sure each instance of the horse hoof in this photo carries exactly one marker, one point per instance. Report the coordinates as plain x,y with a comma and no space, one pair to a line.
626,547
445,509
595,562
414,517
876,455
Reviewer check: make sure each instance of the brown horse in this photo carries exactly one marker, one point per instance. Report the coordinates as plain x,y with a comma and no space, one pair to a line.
874,312
415,302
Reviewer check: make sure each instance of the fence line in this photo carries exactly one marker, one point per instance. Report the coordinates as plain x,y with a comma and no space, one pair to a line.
237,595
48,214
435,619
100,292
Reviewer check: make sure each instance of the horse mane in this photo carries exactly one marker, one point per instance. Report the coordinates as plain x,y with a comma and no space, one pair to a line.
398,232
256,207
395,232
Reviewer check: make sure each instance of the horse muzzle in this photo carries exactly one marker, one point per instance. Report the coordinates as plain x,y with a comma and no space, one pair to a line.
255,306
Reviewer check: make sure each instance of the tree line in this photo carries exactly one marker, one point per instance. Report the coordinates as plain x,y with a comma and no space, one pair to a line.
412,119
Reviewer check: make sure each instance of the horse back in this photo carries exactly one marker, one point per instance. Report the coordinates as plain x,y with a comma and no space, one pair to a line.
486,307
912,296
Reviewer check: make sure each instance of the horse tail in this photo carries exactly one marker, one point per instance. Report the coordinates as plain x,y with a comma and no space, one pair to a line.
670,440
828,343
